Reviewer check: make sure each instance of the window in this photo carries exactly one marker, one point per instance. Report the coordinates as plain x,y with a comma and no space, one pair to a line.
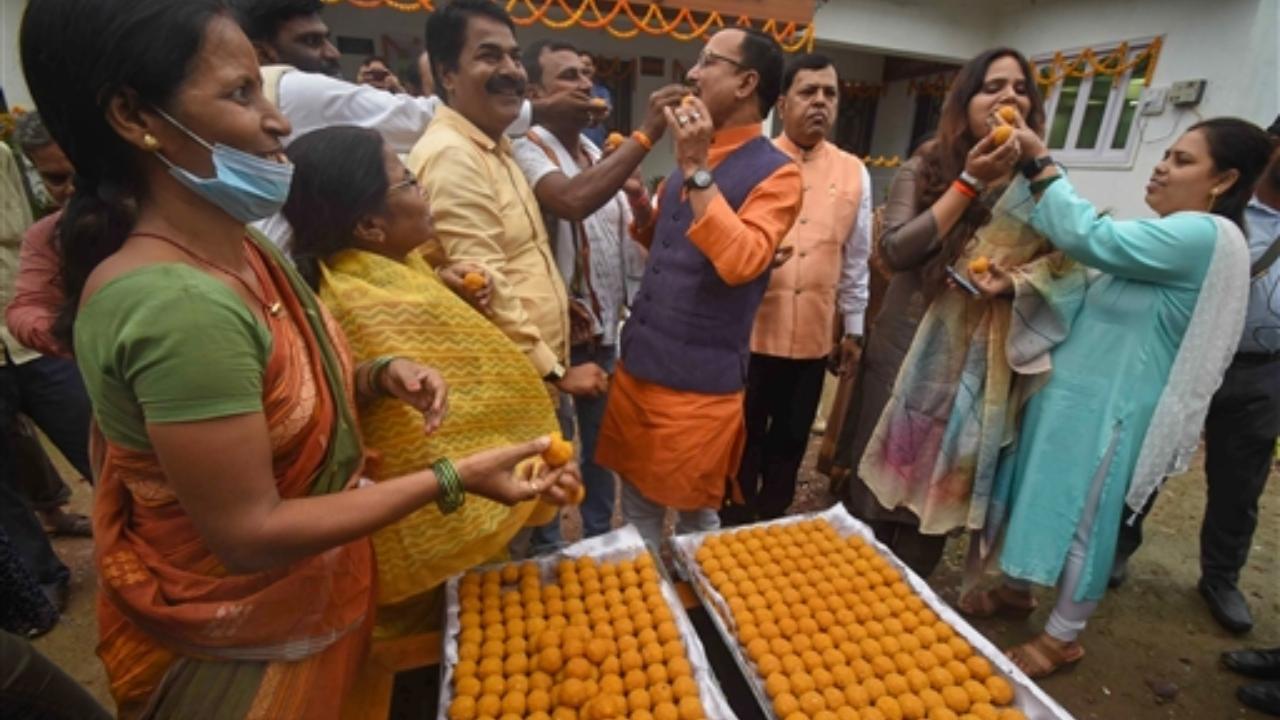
1092,120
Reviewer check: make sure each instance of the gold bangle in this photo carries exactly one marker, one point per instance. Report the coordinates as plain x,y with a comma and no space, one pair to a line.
640,137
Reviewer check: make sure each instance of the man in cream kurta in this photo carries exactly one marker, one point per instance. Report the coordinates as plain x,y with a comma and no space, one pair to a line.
793,335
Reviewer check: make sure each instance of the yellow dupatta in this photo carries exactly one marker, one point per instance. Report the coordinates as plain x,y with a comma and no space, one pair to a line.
495,398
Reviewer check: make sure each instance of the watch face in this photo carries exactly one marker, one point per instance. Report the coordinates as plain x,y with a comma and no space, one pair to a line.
702,179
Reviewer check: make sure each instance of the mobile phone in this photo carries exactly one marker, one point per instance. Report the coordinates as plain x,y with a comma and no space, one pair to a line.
962,282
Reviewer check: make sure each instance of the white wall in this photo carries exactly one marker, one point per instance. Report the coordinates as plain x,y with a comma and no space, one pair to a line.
1234,46
1231,43
934,29
15,87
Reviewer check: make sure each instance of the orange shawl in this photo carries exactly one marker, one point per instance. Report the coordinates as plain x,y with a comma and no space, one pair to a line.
295,635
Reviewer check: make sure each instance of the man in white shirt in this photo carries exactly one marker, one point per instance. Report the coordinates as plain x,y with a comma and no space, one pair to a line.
301,76
588,201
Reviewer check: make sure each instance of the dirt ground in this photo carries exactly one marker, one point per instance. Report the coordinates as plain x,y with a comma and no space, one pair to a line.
1155,630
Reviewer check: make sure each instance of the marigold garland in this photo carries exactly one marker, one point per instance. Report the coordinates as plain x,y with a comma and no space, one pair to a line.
621,21
1087,64
882,161
936,85
9,121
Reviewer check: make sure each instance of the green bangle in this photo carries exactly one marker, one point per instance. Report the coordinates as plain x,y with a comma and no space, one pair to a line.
373,377
452,496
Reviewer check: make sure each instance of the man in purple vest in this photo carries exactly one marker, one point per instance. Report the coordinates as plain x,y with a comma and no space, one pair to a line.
673,428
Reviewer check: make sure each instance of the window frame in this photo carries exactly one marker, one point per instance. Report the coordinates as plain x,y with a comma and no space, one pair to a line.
1102,156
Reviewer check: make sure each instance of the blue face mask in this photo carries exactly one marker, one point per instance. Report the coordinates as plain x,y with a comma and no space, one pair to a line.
247,187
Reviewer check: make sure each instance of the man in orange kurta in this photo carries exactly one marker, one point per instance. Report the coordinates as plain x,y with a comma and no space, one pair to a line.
673,428
824,281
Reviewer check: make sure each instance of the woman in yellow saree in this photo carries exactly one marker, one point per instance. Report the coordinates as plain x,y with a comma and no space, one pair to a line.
358,217
231,530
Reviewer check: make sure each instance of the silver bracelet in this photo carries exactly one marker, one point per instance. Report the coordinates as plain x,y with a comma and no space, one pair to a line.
973,182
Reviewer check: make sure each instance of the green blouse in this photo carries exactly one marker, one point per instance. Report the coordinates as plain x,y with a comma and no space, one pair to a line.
168,343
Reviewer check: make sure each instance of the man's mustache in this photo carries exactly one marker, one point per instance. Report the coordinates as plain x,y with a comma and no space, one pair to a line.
504,84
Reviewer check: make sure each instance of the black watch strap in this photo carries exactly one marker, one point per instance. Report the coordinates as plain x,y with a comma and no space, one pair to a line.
556,375
1034,166
699,180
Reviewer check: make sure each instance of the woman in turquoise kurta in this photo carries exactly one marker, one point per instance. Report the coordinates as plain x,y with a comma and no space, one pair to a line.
1151,333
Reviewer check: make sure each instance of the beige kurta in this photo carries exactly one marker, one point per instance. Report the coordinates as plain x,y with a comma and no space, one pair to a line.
486,213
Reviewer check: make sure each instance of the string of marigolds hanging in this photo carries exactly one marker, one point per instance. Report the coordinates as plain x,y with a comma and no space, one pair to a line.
8,121
1114,63
854,90
936,85
882,161
608,68
623,20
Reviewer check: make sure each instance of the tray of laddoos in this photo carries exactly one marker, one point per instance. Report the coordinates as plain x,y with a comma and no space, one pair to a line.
826,624
593,632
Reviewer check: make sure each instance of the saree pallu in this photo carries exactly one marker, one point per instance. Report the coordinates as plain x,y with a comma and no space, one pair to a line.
970,370
179,635
496,398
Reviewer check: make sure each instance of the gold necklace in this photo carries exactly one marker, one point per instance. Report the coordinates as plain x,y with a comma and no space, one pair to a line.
271,308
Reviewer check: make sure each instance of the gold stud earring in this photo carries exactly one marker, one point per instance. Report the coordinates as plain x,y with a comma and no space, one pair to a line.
150,142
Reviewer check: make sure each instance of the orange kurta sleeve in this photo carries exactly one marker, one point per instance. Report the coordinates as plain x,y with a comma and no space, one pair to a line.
741,245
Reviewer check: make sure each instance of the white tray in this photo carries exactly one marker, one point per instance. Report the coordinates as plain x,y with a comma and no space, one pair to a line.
622,544
1028,696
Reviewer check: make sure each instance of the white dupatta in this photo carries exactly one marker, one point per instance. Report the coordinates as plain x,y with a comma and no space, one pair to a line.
1206,350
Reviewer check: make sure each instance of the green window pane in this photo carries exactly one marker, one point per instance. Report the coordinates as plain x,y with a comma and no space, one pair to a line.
1099,94
1133,91
1062,115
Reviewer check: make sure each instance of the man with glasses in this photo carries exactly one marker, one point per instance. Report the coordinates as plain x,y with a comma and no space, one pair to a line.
673,428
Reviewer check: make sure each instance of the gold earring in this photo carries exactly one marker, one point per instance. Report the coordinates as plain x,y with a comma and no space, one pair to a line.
1213,198
150,142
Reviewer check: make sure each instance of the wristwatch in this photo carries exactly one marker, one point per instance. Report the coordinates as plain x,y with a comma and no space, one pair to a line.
701,179
556,374
1034,166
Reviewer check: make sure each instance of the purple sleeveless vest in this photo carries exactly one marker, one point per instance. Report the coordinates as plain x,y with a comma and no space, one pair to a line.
689,330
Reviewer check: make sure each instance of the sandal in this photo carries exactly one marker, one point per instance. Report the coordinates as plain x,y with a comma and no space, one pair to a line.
67,524
998,601
1044,656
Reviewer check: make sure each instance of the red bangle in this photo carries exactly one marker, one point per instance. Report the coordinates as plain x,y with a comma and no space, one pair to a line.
964,189
643,139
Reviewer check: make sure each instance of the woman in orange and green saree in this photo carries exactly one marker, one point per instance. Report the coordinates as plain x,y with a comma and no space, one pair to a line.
231,526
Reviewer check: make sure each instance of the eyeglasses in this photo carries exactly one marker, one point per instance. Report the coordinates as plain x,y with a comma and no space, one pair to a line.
707,58
409,181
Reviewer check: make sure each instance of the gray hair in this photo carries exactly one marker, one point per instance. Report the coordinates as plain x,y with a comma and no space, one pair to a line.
31,133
